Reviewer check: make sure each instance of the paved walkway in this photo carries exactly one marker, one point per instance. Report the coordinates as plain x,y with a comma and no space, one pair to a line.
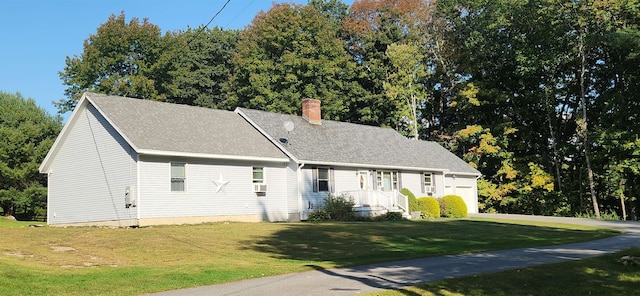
393,275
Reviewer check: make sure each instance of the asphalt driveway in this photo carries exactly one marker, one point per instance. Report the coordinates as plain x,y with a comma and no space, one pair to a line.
394,275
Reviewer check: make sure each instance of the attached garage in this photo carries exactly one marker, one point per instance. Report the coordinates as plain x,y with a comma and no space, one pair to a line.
464,187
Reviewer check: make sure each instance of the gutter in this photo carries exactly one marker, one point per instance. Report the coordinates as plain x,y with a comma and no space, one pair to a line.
210,156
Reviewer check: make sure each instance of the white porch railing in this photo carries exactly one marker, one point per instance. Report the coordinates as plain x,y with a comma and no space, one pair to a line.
390,200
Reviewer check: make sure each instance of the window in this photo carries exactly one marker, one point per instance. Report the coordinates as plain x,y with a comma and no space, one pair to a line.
178,176
258,175
323,180
388,181
427,184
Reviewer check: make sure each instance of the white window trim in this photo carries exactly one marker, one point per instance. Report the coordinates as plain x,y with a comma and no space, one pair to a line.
430,184
364,180
328,179
264,175
171,177
380,180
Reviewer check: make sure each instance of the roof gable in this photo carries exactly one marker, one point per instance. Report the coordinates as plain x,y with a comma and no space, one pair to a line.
179,130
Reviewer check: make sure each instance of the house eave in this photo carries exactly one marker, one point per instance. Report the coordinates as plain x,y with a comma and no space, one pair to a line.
376,166
152,152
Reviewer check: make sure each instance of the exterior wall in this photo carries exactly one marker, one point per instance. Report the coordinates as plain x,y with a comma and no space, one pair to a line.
202,201
294,204
346,179
465,187
90,173
413,182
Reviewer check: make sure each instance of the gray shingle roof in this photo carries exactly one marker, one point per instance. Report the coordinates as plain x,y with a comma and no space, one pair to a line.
348,143
160,126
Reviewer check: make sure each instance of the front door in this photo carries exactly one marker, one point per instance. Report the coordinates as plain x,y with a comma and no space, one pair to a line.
364,180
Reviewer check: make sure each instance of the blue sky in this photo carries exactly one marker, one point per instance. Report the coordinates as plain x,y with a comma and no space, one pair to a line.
37,36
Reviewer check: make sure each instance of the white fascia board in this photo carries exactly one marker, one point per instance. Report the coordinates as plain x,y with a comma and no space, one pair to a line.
267,135
210,156
371,166
463,174
73,118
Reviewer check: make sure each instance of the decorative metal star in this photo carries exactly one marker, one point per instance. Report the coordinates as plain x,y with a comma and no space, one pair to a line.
220,183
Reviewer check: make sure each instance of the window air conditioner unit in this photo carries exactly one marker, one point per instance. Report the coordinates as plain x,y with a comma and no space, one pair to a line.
259,187
429,189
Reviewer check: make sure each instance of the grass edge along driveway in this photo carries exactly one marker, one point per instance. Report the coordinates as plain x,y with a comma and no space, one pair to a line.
105,261
601,275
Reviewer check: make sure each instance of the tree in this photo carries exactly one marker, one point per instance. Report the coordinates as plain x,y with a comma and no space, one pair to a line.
289,53
120,59
334,10
368,30
405,84
27,133
199,66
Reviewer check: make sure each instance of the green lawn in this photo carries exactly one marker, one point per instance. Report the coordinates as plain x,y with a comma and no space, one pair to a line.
601,276
118,261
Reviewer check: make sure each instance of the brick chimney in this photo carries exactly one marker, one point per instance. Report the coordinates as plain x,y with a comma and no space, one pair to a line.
311,111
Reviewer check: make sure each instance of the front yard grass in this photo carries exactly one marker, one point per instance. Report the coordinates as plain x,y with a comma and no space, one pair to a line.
119,261
602,275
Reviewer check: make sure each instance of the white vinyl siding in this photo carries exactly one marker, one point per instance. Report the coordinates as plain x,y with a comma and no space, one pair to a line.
348,180
92,171
203,198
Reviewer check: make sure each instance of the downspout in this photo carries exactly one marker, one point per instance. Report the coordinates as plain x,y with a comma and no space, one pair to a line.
299,187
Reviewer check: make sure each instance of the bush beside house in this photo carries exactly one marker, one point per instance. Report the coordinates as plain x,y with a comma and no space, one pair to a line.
413,202
452,206
429,207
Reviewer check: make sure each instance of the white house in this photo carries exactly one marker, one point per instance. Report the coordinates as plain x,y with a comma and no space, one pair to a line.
129,162
366,163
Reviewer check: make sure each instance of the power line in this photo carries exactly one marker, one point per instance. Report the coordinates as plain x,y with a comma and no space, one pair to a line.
211,20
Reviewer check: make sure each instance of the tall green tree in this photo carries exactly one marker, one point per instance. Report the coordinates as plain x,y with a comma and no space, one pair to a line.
120,59
289,53
199,64
552,70
27,133
368,30
405,84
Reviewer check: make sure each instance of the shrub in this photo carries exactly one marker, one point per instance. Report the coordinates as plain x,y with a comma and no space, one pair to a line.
319,215
339,208
393,216
429,207
452,206
413,202
388,216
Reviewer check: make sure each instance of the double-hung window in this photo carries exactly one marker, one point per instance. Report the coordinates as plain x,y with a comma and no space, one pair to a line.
258,175
323,180
427,183
178,176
